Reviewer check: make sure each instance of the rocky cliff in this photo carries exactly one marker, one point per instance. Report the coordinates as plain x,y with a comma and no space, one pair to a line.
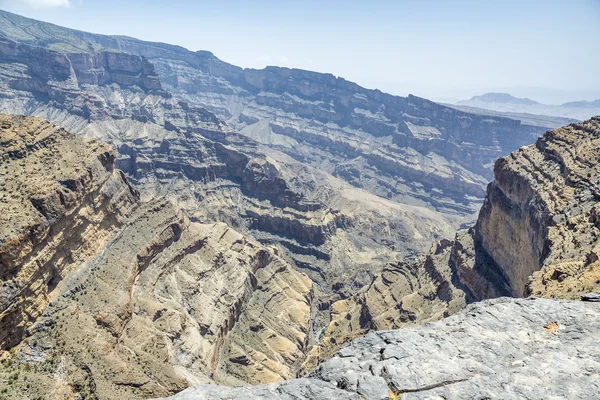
108,297
61,197
539,222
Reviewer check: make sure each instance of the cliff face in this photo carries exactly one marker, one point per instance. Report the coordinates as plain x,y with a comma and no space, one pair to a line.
398,148
61,198
78,68
127,299
540,216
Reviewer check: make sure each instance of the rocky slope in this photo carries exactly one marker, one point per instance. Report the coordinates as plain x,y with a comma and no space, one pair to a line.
61,198
496,349
111,297
107,297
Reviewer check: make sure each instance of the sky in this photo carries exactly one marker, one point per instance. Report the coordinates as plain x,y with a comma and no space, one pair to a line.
445,50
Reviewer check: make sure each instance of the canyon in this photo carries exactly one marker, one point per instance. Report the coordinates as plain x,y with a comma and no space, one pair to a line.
170,220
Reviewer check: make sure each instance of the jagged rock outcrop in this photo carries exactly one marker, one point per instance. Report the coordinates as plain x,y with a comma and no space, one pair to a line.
502,348
539,222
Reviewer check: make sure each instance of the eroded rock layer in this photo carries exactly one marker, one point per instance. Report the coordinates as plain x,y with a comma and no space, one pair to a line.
341,236
61,199
117,299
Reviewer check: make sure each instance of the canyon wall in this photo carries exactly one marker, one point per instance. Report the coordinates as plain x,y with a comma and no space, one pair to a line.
341,236
131,298
61,197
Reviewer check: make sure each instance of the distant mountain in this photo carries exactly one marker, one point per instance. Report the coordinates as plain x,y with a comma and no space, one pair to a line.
505,102
500,98
595,103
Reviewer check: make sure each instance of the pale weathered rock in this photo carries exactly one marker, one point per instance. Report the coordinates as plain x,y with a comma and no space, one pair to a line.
289,390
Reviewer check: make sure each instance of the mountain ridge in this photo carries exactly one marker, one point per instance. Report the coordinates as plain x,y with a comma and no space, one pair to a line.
504,102
496,97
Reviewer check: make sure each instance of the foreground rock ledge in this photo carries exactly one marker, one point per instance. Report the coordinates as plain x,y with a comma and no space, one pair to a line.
502,348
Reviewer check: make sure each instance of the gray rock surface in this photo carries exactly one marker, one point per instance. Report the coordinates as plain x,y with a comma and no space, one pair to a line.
496,349
295,389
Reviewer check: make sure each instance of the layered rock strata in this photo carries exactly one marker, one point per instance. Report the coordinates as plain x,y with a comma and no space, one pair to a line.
340,235
108,297
406,149
61,198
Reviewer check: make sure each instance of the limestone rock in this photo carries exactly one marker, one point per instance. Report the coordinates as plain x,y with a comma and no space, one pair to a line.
288,390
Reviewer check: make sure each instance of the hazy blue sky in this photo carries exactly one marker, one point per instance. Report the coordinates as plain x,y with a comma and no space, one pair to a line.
445,50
